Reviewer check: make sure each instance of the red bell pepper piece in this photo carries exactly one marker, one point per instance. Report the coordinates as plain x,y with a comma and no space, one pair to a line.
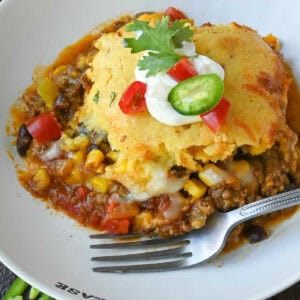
174,13
133,99
215,118
44,128
182,70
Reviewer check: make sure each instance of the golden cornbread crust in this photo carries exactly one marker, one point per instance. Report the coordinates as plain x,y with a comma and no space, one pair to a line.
255,82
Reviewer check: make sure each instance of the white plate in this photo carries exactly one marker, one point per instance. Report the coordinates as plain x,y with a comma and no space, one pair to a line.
49,250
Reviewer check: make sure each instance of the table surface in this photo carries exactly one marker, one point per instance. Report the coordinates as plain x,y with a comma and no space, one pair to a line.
6,278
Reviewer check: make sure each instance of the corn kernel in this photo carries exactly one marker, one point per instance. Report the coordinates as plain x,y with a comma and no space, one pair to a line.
101,169
41,179
48,91
113,155
94,159
59,70
81,141
195,188
78,156
75,177
67,144
100,184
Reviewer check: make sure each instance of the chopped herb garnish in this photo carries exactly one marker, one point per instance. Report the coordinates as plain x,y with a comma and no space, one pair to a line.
112,97
96,97
161,42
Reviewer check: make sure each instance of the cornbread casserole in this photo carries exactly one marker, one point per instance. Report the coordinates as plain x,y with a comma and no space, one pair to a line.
126,138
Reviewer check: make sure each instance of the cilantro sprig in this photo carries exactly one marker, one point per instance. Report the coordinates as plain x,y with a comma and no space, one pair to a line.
161,42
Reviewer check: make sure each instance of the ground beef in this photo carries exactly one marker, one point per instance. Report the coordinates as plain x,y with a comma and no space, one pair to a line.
72,84
34,104
276,172
226,197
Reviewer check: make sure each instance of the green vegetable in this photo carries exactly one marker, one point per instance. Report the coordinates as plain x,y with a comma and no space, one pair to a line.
112,97
96,98
33,293
196,95
160,41
16,289
44,297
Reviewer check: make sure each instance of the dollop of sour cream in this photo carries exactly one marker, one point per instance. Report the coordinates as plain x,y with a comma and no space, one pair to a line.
159,87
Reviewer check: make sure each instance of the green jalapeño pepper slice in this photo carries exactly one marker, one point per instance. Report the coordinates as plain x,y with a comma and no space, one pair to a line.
196,95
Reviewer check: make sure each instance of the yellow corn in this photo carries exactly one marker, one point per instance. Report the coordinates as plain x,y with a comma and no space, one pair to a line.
81,141
78,156
100,184
41,179
48,91
113,155
59,70
75,177
101,169
94,159
195,188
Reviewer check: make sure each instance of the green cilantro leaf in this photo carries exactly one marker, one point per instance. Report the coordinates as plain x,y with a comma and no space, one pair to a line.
160,41
112,98
155,63
183,33
96,97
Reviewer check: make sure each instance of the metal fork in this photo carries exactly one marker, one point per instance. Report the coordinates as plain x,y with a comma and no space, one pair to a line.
129,253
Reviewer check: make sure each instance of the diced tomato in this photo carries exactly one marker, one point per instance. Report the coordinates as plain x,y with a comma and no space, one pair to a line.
174,13
111,206
116,226
215,118
133,99
122,210
82,192
95,218
44,128
182,70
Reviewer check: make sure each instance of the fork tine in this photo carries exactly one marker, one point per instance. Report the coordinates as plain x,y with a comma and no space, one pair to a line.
163,266
150,242
113,236
160,254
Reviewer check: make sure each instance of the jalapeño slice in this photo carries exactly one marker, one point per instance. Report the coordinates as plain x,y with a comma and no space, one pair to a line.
196,95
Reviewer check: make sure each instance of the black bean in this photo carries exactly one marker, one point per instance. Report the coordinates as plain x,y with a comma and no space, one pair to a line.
255,233
24,139
105,146
92,147
61,103
178,171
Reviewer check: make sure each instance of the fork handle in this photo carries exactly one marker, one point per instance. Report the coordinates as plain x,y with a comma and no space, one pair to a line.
267,205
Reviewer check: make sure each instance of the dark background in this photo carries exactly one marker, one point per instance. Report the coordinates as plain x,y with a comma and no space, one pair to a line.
6,278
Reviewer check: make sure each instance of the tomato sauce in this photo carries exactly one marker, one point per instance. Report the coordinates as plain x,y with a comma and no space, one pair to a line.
73,200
